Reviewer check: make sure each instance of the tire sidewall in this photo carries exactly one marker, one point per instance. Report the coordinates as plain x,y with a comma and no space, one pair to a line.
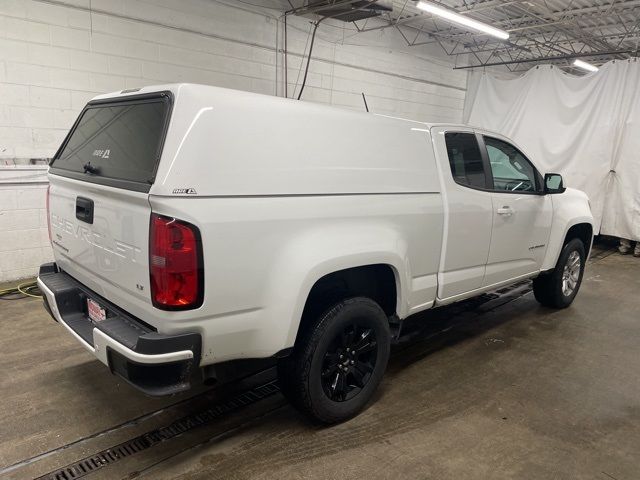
364,312
561,298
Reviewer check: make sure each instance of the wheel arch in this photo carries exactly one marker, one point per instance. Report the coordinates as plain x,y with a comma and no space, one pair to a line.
362,273
583,232
571,216
320,252
581,229
378,281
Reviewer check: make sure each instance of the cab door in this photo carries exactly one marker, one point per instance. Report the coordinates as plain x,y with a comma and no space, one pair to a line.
522,214
468,212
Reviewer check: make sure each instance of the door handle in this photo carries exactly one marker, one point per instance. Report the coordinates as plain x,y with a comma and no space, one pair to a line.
84,209
506,211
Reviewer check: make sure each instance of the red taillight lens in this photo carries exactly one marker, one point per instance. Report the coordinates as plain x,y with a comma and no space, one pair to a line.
48,212
175,259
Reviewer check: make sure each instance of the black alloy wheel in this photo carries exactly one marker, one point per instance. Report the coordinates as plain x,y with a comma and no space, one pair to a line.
338,360
349,362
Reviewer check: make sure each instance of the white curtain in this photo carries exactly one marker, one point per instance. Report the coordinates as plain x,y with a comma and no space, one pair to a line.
587,128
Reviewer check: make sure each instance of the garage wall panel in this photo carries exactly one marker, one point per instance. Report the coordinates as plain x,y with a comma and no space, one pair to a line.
61,45
24,240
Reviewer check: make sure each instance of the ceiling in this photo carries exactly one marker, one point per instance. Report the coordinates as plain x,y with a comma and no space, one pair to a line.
541,31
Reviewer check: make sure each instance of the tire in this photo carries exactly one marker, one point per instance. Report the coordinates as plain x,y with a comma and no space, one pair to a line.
558,288
321,384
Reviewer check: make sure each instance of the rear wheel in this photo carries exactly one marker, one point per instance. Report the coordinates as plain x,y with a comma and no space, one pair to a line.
558,288
338,362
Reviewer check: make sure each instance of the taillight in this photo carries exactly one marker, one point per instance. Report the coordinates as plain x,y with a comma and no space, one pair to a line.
175,260
48,212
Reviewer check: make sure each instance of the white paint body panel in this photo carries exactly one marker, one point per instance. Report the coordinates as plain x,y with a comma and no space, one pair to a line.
518,238
569,209
287,192
263,255
110,256
468,215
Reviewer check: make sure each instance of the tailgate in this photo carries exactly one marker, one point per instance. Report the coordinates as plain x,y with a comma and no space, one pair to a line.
110,247
98,200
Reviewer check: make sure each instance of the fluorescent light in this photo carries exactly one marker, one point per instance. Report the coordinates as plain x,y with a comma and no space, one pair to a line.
585,65
462,20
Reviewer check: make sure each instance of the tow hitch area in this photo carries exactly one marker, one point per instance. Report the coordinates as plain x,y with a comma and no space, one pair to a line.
155,364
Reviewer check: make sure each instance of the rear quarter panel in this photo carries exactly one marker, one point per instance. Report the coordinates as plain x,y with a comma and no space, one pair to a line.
262,256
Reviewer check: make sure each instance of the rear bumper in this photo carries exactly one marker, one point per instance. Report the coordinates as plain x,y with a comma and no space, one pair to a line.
154,363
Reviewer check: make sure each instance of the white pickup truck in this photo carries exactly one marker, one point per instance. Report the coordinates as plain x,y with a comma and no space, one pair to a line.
194,225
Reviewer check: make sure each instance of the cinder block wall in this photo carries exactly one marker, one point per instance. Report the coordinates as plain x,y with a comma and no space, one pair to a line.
24,241
57,54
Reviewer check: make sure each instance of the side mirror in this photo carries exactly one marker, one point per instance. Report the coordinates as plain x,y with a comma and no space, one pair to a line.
553,183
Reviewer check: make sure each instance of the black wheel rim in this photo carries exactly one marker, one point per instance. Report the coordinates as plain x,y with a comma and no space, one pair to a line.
349,362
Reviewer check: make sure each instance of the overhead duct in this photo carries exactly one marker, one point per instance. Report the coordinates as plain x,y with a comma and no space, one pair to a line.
347,11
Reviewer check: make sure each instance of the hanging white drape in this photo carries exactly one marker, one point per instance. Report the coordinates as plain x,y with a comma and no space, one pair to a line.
587,128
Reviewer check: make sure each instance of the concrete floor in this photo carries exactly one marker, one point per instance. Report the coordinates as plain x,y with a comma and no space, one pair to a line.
507,390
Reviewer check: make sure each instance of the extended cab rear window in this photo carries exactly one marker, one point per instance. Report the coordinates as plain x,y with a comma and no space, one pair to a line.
465,159
116,143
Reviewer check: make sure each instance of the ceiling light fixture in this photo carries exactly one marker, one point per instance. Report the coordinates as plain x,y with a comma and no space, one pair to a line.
462,20
585,65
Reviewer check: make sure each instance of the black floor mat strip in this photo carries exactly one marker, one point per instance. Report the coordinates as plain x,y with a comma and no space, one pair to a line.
147,440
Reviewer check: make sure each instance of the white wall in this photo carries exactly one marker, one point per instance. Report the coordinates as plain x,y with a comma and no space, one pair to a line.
24,241
57,54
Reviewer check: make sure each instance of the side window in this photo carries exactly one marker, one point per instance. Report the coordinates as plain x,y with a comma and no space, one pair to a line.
465,159
511,170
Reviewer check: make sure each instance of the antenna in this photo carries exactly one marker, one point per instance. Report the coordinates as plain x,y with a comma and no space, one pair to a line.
365,102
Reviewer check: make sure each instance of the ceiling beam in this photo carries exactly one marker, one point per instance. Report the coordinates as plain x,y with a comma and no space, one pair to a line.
545,59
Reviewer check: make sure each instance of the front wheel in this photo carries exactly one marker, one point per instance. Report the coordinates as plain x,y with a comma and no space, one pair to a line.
558,288
338,363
